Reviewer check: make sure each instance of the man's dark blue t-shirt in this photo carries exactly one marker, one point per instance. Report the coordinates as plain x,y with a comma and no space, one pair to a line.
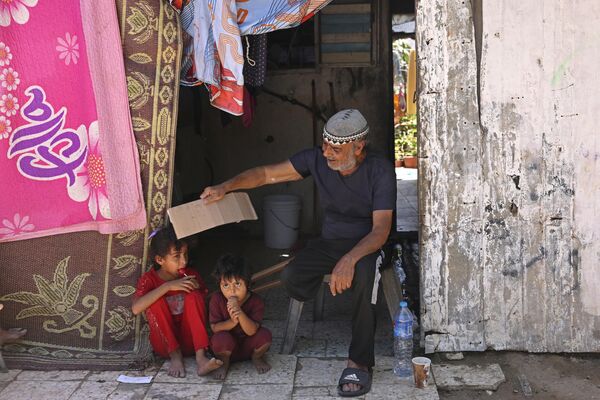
348,202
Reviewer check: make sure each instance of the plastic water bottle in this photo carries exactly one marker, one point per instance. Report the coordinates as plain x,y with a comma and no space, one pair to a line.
398,264
403,341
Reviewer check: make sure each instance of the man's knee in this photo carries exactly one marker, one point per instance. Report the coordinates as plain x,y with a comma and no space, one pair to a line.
289,279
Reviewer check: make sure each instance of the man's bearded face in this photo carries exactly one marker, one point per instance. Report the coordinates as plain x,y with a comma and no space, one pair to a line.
340,157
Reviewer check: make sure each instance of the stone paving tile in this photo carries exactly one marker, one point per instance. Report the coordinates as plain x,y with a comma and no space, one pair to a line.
401,391
318,371
386,385
278,310
277,303
94,390
129,391
317,393
52,375
310,347
410,190
277,328
190,377
10,375
282,371
109,376
3,385
410,226
472,377
383,372
337,347
245,392
47,390
406,213
183,391
332,329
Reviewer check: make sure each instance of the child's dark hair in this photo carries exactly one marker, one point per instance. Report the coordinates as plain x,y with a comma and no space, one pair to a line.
161,244
230,266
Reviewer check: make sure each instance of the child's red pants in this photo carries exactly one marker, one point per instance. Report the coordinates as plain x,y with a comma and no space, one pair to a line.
241,348
186,331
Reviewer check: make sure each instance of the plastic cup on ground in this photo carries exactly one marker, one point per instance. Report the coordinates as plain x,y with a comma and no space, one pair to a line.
421,368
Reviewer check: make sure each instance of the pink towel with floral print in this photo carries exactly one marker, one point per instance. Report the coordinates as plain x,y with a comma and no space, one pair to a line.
68,158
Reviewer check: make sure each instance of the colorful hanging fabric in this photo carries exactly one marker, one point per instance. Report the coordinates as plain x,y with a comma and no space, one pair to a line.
68,157
214,54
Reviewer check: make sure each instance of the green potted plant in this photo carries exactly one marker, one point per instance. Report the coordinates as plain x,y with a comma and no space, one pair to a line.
406,141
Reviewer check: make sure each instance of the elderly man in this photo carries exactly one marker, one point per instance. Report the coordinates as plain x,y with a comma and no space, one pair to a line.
357,191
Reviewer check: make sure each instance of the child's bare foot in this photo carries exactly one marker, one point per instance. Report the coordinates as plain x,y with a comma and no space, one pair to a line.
221,372
260,364
176,368
206,365
258,360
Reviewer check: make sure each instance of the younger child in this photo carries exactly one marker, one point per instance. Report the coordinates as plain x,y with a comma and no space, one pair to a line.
172,296
235,315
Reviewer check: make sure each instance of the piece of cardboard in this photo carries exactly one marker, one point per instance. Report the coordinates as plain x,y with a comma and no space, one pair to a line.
196,216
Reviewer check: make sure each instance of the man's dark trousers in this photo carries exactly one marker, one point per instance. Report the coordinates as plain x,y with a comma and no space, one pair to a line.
304,275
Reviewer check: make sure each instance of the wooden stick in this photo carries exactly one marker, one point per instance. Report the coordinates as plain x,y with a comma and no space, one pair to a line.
270,270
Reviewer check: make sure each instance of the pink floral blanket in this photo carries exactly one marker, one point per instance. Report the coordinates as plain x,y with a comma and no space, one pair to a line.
68,159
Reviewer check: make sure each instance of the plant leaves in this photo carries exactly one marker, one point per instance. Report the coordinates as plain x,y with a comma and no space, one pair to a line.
128,238
126,265
47,289
74,288
124,290
60,275
32,299
139,124
36,311
140,58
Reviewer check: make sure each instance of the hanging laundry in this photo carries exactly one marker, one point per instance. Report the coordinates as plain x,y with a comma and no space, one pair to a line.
67,150
255,67
216,57
249,108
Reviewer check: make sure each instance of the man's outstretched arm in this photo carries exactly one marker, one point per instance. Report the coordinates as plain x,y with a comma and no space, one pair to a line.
343,273
252,178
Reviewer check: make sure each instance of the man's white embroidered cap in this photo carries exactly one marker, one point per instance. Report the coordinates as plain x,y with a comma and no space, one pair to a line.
345,126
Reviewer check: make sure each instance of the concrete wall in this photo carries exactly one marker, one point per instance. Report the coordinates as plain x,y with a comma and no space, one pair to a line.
280,129
510,185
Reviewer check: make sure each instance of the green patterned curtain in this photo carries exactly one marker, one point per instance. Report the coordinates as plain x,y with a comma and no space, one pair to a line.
73,292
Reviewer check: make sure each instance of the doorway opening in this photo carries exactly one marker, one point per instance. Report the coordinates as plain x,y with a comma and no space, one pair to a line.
405,118
404,72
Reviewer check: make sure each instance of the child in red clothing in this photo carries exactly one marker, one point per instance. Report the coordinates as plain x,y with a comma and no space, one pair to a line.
172,296
235,315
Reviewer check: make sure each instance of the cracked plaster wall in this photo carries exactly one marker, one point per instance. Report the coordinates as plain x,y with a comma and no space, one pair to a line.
510,178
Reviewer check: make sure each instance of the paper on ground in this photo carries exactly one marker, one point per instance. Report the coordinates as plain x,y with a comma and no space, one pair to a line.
134,379
196,216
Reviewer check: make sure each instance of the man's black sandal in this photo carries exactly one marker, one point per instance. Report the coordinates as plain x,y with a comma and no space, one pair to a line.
357,376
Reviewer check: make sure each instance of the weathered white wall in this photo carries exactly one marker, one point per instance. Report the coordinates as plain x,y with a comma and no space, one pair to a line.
510,182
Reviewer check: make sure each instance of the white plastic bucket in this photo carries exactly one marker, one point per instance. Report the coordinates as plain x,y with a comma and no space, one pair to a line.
281,220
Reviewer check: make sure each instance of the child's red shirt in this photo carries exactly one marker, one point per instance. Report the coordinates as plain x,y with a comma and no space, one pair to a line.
253,307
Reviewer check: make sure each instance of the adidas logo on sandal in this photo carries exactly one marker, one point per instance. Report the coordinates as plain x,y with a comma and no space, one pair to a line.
352,377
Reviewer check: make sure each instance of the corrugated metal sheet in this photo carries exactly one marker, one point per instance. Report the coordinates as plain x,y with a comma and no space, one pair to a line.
510,176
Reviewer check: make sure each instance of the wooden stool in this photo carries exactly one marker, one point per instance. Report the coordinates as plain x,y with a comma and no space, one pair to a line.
294,313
